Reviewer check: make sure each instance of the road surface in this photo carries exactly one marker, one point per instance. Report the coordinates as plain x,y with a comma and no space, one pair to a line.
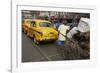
45,51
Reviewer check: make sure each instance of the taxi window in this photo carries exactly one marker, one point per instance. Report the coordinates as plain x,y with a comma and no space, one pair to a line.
45,24
33,24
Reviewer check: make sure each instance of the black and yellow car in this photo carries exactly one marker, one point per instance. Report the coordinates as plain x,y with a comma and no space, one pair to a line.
41,30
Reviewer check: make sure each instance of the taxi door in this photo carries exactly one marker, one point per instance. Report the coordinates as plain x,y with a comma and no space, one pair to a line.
31,31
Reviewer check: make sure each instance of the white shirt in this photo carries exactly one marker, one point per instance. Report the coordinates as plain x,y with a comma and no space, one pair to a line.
62,29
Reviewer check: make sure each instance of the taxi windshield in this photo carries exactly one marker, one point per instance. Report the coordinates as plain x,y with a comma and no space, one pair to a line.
45,24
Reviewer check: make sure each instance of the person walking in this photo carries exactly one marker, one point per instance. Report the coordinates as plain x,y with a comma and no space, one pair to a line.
56,24
63,28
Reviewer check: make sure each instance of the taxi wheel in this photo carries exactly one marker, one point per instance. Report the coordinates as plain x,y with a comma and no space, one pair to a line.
35,41
28,34
25,31
22,30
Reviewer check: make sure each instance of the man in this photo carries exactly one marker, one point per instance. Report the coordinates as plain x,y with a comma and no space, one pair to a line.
62,31
62,38
56,24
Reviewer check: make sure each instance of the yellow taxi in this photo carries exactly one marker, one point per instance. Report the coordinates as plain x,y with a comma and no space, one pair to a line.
26,25
42,30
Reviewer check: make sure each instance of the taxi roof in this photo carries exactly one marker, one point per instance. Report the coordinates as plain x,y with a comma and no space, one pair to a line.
27,19
39,20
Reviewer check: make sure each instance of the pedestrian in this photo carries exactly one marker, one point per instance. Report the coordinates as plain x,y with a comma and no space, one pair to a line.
57,24
63,28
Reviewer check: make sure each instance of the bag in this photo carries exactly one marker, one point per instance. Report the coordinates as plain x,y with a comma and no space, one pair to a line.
60,43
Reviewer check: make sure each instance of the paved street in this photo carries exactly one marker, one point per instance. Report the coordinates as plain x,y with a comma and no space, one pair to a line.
45,51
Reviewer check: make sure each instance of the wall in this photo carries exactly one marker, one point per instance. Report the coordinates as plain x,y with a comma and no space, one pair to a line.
6,28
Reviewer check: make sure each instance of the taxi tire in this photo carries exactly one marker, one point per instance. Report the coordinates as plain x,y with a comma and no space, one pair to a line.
25,32
35,41
22,30
28,34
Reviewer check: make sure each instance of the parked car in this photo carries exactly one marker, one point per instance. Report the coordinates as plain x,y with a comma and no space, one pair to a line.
42,30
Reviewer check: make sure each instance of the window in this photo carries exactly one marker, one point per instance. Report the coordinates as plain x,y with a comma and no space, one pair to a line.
33,23
45,24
